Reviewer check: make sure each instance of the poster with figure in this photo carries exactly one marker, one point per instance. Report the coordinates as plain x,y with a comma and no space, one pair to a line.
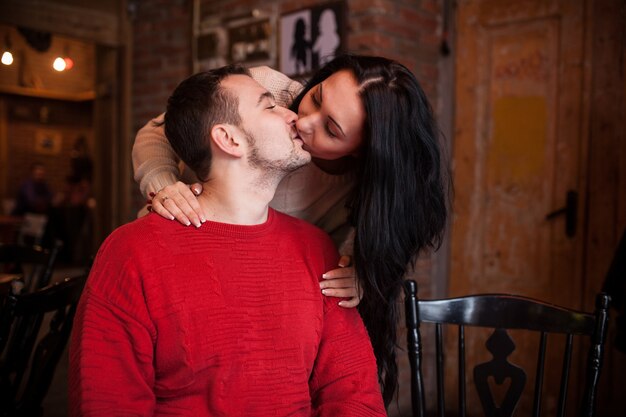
311,37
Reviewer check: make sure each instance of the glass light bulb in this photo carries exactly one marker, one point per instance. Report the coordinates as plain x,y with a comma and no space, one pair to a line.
59,64
7,58
69,63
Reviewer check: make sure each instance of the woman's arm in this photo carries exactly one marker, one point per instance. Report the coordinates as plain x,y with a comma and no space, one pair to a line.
155,163
157,168
282,87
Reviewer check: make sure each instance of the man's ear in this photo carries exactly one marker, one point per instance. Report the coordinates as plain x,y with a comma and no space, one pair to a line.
225,137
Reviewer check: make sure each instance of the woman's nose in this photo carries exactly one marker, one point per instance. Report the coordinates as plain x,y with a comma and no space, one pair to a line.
304,124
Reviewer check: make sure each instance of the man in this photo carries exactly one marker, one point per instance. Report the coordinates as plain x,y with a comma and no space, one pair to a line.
226,319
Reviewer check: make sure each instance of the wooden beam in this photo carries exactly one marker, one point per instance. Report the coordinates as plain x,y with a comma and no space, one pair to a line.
42,93
78,22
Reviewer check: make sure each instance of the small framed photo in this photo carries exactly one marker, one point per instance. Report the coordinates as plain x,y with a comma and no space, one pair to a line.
48,142
311,37
250,42
245,38
209,49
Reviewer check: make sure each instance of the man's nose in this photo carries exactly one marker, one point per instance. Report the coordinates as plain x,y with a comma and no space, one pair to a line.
290,117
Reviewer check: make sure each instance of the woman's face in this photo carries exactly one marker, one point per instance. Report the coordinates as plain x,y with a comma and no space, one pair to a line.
331,117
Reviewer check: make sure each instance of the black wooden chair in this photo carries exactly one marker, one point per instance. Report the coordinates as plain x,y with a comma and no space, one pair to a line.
27,362
502,312
615,286
33,264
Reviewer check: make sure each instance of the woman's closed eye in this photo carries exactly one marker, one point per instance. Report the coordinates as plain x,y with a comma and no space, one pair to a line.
328,131
317,96
317,102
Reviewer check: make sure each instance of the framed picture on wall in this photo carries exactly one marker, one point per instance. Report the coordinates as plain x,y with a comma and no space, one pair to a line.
48,142
209,50
247,37
311,37
250,42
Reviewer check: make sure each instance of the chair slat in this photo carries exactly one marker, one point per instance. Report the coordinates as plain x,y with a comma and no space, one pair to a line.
441,399
541,357
462,378
567,360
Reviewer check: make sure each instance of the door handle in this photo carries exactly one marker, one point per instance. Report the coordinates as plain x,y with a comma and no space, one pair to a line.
570,211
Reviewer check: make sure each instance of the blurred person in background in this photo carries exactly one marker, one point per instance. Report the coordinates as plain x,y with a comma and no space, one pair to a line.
34,194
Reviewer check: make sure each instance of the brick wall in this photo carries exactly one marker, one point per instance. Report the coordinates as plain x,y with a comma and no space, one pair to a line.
161,55
408,31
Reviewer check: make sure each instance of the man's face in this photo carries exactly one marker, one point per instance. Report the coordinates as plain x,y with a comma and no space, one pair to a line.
275,146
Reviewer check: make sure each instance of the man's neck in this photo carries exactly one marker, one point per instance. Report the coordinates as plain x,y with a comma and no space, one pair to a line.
224,200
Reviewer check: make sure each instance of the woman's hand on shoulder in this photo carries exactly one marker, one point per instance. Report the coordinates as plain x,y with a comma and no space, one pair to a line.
179,201
342,282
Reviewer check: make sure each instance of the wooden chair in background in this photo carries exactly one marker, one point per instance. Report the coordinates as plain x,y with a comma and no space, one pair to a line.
502,312
32,229
28,363
33,263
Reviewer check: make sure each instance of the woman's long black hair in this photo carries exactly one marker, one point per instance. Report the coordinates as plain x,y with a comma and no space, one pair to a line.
398,203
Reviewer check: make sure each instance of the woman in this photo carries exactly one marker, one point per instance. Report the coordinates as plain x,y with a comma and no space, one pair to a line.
375,168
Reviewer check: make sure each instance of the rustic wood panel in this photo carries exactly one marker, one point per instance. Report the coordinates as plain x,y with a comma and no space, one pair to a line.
518,147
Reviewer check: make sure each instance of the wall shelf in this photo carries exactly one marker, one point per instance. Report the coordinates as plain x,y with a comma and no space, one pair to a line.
42,93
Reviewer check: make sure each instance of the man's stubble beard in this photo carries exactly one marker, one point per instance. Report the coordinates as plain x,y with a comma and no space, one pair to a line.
273,168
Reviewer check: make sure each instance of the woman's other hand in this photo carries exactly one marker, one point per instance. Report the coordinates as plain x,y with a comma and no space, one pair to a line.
342,282
179,201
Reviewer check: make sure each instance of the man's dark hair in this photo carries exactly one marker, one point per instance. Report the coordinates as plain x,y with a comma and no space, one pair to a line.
195,106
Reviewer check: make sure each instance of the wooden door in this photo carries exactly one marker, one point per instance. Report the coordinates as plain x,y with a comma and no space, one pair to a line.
517,154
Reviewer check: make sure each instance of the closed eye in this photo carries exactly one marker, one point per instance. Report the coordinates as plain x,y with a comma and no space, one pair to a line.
268,98
317,103
315,99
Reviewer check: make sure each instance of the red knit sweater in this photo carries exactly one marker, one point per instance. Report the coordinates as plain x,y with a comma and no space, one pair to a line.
223,320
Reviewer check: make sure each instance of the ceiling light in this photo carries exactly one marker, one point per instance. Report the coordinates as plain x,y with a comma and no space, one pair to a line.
59,64
7,56
63,62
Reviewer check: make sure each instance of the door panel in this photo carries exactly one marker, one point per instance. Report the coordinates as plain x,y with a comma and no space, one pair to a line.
517,153
517,163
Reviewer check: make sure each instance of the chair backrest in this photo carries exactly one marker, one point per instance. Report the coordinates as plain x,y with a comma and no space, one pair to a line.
501,312
34,263
27,363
